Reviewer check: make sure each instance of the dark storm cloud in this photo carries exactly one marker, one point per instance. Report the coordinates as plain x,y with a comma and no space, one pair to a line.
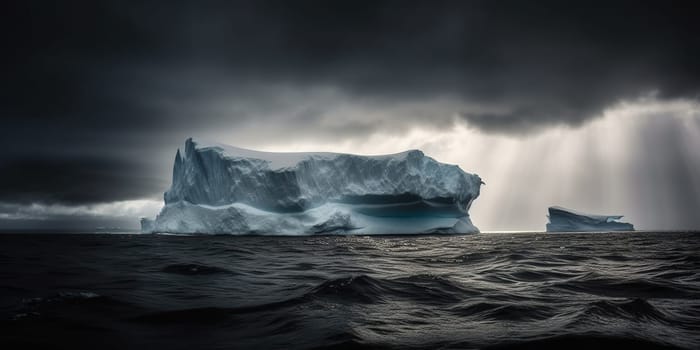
73,180
96,94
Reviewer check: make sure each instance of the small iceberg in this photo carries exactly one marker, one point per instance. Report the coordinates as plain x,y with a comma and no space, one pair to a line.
567,220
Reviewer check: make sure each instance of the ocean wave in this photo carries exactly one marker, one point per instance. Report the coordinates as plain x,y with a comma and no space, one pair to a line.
429,289
487,311
67,301
194,269
630,309
630,288
583,341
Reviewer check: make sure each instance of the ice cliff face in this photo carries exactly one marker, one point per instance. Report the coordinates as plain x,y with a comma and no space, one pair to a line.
567,220
223,189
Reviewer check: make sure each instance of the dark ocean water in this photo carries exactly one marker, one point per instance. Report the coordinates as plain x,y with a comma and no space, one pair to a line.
478,291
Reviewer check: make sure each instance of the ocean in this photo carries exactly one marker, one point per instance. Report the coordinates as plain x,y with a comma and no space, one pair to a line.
489,290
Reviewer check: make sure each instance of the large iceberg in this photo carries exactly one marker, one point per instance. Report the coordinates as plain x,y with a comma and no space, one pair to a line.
219,189
567,220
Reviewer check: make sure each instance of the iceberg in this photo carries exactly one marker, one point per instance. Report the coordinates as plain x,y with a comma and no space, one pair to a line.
567,220
220,189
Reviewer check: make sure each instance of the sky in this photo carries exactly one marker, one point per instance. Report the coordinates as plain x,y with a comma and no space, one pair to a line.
592,105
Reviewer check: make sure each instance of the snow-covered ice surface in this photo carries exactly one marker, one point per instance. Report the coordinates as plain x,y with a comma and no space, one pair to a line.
220,189
568,220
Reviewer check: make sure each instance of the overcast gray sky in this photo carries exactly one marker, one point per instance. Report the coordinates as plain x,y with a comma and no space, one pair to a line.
586,104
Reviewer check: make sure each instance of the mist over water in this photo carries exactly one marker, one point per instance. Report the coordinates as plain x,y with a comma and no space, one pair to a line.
477,291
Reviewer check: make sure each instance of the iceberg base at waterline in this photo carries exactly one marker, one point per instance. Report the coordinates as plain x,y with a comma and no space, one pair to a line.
331,218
